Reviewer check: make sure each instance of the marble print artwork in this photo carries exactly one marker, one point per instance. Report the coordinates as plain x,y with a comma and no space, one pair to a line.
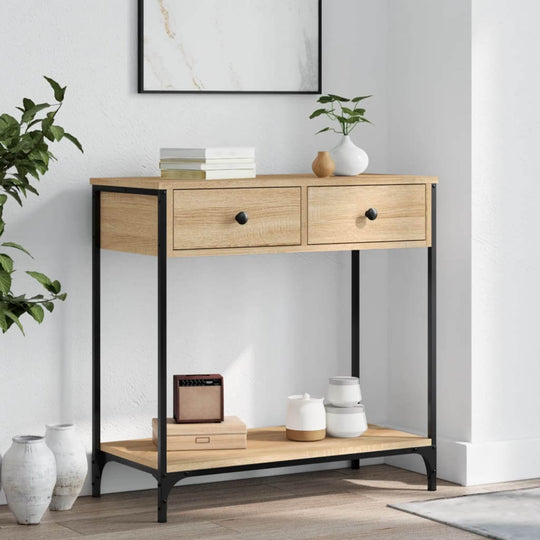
231,45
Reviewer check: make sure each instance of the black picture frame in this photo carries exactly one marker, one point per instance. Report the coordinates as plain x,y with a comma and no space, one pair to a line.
140,64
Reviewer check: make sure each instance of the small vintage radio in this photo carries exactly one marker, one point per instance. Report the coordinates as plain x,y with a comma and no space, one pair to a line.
198,398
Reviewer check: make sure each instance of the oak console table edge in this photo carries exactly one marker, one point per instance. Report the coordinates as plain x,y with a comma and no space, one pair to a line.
286,214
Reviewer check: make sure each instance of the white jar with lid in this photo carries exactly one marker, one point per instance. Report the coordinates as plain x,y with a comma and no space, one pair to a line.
306,418
345,421
344,391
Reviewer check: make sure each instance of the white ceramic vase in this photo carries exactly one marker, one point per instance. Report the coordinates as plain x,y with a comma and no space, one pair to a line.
71,464
28,478
350,160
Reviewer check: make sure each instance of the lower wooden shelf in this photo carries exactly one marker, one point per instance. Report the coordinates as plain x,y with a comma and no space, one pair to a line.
265,445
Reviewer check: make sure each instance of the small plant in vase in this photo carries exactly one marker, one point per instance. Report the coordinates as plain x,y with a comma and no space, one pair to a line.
349,159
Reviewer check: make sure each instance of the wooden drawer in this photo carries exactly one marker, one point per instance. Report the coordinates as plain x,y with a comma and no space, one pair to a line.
205,218
336,214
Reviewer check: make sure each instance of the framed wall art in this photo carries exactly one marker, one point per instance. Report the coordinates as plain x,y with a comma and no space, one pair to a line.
229,46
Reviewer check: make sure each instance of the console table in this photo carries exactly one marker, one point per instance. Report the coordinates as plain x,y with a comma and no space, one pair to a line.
268,214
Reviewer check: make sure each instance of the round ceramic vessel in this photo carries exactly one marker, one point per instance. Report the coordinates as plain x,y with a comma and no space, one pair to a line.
71,464
345,422
323,165
28,477
350,160
306,418
344,391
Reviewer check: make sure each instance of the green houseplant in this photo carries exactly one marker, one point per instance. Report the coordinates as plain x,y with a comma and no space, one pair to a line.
24,158
349,159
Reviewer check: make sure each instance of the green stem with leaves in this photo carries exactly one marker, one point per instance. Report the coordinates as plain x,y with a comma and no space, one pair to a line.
347,118
24,158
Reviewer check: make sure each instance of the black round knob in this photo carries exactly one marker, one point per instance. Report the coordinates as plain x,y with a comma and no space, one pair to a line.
371,214
241,218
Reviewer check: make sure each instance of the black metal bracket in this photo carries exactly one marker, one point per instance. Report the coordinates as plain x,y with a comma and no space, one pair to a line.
429,455
98,464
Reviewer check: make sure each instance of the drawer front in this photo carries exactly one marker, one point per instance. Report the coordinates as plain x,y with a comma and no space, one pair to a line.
336,214
205,218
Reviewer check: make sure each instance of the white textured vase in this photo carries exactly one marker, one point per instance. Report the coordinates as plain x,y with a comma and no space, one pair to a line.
28,478
350,160
71,464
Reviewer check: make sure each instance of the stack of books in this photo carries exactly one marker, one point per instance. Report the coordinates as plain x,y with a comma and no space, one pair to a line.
207,163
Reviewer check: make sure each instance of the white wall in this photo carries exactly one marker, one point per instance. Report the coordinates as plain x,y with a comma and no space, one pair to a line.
464,83
429,132
272,324
505,262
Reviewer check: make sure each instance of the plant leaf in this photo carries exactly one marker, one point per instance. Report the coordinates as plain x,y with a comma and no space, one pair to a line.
322,130
15,319
339,98
17,246
5,282
49,306
360,98
58,90
6,262
74,140
57,132
41,278
28,104
325,99
56,286
316,113
37,312
30,113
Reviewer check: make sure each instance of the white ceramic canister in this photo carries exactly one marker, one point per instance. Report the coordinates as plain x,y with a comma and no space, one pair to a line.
344,391
345,421
306,418
71,464
350,160
28,478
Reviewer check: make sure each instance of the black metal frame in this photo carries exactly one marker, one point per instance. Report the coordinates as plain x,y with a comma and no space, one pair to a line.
165,480
140,65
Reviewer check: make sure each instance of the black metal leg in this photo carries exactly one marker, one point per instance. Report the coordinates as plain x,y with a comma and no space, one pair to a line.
431,460
355,324
163,483
165,486
97,463
429,455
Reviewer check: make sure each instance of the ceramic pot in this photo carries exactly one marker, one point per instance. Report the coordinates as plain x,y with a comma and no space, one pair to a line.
345,421
350,160
28,477
71,464
344,391
306,418
323,165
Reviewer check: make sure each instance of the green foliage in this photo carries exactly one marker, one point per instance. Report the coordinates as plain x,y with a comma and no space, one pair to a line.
335,109
24,158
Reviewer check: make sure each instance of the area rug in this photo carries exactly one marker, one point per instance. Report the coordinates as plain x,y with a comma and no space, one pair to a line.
505,515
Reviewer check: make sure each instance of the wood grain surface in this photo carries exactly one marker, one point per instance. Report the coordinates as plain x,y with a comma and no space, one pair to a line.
266,445
336,215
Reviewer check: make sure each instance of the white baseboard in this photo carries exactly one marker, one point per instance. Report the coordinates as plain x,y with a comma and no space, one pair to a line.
472,464
502,461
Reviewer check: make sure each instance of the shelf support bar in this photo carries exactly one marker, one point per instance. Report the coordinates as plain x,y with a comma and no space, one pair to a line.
355,324
431,459
163,483
97,461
